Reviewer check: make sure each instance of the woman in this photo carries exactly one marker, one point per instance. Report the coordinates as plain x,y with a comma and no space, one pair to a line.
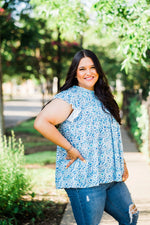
89,137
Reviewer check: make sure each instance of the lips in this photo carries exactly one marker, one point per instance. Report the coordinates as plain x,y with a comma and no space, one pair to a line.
89,78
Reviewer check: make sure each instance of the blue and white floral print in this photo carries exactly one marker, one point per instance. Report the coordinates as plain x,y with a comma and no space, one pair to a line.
96,134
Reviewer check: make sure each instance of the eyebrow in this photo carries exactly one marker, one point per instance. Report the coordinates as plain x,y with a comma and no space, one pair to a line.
84,66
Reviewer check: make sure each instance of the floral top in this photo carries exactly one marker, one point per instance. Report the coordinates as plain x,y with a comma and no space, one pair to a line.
96,134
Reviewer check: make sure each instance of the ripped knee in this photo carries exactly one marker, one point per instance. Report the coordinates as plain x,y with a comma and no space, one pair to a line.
133,212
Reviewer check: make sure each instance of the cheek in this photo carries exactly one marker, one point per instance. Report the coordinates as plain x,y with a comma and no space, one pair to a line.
97,76
79,76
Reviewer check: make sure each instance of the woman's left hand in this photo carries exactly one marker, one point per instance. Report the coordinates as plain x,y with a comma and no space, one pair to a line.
126,173
73,155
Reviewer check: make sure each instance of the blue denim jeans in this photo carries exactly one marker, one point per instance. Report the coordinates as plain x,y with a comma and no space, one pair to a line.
88,204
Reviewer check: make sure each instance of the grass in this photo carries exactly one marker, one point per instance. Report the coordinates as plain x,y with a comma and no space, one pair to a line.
38,143
41,158
33,141
26,127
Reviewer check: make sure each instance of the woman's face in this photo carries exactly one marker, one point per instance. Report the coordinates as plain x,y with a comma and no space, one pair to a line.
87,75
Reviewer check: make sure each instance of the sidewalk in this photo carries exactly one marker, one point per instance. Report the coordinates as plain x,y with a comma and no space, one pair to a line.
138,184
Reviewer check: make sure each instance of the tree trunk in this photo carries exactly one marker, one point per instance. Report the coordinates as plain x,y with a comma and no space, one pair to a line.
148,99
1,96
59,67
81,41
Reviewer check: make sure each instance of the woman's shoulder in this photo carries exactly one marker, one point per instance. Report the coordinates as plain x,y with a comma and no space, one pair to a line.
66,95
66,92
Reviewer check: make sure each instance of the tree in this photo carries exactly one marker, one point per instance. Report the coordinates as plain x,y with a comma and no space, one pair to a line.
7,33
67,17
130,21
34,53
6,27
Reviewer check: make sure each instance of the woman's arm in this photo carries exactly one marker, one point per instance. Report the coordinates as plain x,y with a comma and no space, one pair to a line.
55,113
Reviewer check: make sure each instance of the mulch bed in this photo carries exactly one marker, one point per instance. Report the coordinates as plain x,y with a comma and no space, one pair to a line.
52,215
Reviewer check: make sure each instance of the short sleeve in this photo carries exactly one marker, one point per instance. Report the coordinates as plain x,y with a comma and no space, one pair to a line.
64,95
69,97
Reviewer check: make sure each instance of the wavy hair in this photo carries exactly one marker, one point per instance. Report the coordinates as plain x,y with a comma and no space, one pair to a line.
101,88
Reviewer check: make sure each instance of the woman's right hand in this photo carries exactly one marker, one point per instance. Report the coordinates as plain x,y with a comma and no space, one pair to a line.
73,155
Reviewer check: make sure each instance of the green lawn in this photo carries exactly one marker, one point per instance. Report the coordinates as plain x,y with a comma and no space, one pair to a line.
41,158
26,127
33,142
38,143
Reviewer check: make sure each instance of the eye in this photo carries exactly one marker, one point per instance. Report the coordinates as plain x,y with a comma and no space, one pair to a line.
93,67
81,69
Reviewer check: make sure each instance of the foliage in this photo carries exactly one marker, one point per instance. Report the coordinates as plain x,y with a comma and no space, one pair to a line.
136,79
143,125
19,203
36,49
134,113
14,181
68,19
106,50
68,16
130,21
23,211
35,52
7,26
139,125
119,98
41,158
8,16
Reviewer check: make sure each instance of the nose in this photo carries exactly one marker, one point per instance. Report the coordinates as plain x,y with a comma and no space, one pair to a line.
88,72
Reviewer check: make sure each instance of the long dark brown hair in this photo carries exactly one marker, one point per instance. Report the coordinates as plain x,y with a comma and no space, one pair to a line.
101,88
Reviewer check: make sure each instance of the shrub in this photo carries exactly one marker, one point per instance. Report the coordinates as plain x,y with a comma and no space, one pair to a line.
143,125
139,122
134,113
14,181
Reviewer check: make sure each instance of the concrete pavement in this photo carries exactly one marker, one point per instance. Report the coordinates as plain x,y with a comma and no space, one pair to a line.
138,184
21,109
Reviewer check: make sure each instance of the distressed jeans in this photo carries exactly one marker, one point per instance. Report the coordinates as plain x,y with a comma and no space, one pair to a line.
88,204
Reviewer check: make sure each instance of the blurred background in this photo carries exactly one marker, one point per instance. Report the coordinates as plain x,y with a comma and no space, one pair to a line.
37,42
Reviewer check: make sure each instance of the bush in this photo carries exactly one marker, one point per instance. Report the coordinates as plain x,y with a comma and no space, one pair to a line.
134,113
143,125
14,182
138,119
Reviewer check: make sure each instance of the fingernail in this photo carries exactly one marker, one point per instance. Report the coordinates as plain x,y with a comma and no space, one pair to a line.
84,161
66,167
